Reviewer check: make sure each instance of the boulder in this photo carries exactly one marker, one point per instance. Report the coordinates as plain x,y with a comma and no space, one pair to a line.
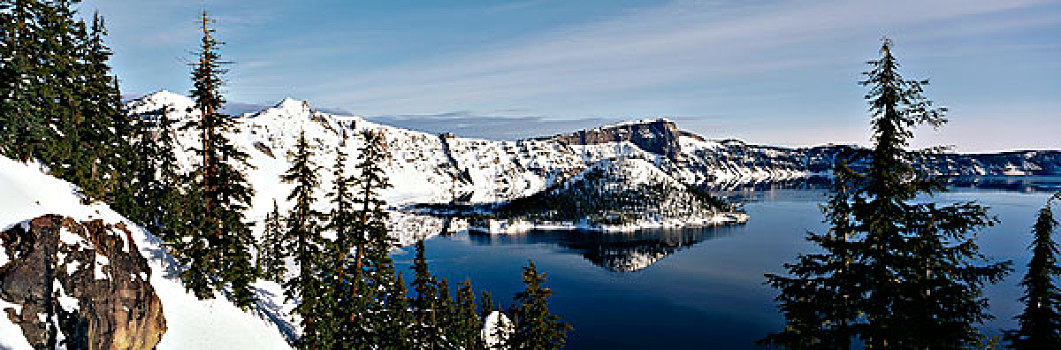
81,285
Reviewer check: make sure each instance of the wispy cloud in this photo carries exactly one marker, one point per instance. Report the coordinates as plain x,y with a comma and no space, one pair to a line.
675,44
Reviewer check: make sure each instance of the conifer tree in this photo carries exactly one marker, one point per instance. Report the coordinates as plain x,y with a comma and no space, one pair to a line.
353,299
59,103
467,326
168,189
271,248
104,131
371,180
895,273
535,326
426,304
1040,323
820,308
217,245
303,240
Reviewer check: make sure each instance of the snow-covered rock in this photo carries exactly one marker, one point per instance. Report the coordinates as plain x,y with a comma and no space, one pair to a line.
28,193
497,329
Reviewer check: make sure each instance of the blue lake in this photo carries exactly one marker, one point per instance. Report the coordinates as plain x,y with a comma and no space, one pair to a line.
699,288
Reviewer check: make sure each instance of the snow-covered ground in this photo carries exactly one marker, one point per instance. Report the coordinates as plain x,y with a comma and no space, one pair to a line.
26,193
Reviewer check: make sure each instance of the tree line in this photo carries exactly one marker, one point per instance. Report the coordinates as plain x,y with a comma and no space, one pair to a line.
895,272
60,106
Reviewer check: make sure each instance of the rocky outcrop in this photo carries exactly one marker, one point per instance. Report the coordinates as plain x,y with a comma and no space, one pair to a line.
658,136
80,285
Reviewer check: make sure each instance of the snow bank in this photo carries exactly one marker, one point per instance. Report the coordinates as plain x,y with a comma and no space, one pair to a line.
192,324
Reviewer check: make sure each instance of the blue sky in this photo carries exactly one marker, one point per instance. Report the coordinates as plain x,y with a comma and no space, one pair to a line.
775,72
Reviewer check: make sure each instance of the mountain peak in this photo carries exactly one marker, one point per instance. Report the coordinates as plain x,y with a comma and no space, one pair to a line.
161,98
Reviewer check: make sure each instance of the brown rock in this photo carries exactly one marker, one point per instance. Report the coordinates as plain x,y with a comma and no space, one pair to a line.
82,285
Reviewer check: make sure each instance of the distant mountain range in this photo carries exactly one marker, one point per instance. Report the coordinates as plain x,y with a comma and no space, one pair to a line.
445,168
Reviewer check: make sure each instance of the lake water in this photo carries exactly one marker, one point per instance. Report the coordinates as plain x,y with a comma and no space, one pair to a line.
701,288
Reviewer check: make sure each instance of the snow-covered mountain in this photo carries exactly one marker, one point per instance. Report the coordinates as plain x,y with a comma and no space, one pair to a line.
430,168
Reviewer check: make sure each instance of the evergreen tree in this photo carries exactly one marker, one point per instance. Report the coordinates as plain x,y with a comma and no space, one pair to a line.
217,246
370,181
426,305
820,307
535,326
107,161
1040,323
271,248
304,241
60,104
895,273
22,129
169,187
467,326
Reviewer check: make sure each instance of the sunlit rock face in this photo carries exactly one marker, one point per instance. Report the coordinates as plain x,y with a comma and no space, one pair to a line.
657,136
78,285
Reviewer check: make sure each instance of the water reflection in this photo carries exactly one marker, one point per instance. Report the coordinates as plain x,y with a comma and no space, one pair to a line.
617,252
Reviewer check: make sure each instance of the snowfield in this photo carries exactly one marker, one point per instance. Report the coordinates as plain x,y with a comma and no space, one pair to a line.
27,193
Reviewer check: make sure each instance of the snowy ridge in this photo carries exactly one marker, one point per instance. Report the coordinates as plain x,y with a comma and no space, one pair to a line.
192,323
429,168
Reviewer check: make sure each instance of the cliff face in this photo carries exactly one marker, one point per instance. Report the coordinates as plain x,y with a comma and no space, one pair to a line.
659,136
81,285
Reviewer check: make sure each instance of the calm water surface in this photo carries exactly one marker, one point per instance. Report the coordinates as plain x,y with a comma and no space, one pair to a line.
698,288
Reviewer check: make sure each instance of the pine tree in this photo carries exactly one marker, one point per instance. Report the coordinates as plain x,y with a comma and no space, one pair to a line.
217,245
467,326
895,273
353,299
104,132
304,241
168,190
21,128
371,180
271,248
820,307
535,326
391,322
426,305
1040,323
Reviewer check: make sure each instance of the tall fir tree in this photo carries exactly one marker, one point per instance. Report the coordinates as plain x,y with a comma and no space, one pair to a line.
1040,323
535,326
370,182
107,161
350,315
168,213
303,241
217,247
819,299
388,319
60,103
465,332
271,248
895,273
427,305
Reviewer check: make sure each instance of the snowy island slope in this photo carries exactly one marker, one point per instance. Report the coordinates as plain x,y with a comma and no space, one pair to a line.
619,194
27,193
